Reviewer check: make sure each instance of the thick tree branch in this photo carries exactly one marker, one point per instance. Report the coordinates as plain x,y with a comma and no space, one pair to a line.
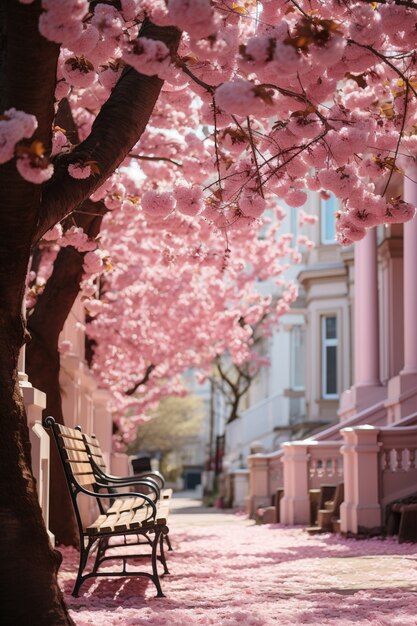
116,129
27,84
142,157
143,380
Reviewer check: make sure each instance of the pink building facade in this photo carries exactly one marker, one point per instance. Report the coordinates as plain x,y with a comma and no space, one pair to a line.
371,441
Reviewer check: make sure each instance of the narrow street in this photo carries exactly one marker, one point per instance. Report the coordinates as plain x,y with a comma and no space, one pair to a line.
227,571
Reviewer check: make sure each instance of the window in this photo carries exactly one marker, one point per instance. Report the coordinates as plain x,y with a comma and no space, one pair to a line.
294,225
297,358
328,210
329,357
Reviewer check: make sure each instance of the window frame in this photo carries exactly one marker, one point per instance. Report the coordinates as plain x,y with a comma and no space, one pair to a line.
300,329
324,220
328,343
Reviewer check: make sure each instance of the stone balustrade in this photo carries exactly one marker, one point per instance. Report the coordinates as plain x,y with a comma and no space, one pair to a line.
307,465
325,463
397,462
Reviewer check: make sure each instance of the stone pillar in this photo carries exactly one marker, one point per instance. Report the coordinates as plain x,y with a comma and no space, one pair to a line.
402,389
360,510
392,303
410,283
241,487
120,465
367,389
295,504
366,368
259,495
103,423
35,402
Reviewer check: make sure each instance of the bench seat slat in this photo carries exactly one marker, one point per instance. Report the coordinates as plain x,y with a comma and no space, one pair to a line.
73,443
123,523
85,479
76,455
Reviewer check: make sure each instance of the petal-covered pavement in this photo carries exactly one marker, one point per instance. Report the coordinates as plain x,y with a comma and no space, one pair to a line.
226,571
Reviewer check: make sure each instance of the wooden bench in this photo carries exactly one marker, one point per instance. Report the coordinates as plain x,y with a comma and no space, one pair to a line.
325,508
402,519
99,465
148,480
137,519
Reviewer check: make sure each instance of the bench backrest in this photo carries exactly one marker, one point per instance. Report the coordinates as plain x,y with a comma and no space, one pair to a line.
94,450
72,450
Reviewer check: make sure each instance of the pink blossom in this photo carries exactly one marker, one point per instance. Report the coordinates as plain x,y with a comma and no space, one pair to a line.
60,142
79,72
108,21
194,16
88,39
189,199
243,97
53,233
79,170
148,56
32,173
93,306
65,347
306,218
307,127
61,19
287,59
77,238
93,262
14,126
131,9
252,206
296,198
158,203
399,211
109,75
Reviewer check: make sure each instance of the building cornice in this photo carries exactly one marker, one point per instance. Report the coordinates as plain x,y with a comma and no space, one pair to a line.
322,272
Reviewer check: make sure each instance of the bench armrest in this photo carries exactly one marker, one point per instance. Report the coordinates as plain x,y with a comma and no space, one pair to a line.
129,494
147,479
104,483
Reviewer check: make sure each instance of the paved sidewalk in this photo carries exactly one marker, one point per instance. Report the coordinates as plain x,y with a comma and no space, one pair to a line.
187,509
354,573
227,571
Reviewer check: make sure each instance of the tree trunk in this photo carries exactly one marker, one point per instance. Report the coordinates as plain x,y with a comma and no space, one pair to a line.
29,592
43,369
43,360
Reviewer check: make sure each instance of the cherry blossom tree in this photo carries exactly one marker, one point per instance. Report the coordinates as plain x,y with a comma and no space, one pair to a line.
178,300
261,100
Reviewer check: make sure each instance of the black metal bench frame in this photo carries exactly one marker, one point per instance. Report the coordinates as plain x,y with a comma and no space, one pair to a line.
150,532
152,479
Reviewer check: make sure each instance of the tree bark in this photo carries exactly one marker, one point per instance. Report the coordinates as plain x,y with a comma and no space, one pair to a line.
29,593
43,361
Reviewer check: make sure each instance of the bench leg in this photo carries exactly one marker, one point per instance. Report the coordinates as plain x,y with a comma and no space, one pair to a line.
168,541
103,544
408,527
155,576
162,553
84,552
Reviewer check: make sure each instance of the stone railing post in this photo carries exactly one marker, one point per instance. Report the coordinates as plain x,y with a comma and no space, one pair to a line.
240,486
120,465
103,422
361,509
259,495
35,401
295,504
